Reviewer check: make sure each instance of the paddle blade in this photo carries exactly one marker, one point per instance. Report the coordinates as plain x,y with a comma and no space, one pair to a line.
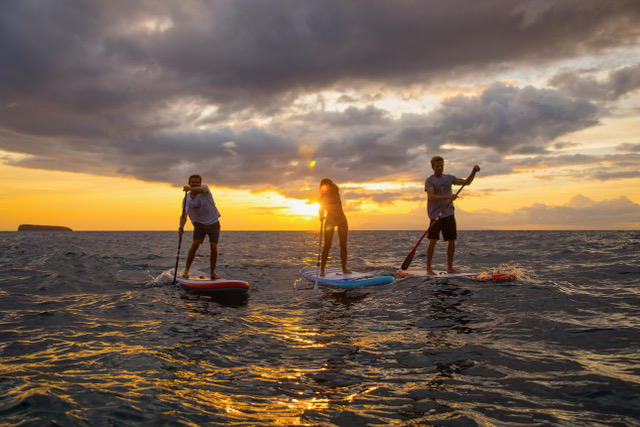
408,260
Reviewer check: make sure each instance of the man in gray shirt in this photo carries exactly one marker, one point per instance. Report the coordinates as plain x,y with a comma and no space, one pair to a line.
441,211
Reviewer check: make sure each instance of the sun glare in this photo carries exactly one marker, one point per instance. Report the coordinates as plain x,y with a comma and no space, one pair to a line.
302,208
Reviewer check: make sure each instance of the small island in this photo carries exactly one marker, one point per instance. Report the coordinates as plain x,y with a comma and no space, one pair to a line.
32,227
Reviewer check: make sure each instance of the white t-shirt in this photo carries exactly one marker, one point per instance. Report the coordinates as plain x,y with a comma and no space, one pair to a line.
202,208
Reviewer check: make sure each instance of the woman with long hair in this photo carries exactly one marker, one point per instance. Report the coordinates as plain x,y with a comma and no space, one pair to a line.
331,212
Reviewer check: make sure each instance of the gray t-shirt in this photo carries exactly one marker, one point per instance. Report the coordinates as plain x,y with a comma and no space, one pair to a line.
202,208
441,187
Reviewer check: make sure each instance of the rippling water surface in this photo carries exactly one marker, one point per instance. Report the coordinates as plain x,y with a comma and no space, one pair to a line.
93,333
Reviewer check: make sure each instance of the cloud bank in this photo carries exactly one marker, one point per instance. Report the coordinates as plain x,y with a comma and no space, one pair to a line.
237,90
580,213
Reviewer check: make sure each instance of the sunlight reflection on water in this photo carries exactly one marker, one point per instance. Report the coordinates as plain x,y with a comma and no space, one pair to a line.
93,333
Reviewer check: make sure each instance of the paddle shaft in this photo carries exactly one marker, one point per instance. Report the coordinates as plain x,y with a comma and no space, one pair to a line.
180,232
319,253
409,259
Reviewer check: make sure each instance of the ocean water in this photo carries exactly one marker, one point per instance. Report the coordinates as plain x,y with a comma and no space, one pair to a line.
93,334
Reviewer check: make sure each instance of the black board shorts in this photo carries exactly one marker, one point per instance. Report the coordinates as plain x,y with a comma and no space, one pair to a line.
448,227
200,231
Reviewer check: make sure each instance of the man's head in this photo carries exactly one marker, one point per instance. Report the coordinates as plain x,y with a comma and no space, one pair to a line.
195,180
437,164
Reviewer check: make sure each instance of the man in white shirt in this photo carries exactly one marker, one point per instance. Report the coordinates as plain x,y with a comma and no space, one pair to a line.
204,215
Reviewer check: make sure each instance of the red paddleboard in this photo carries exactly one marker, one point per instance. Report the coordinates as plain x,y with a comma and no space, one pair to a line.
204,285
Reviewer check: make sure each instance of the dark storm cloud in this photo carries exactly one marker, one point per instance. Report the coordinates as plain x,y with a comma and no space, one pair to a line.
503,119
366,143
158,89
513,120
584,85
225,48
592,167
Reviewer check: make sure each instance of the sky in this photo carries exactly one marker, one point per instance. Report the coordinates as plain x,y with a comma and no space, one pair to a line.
106,108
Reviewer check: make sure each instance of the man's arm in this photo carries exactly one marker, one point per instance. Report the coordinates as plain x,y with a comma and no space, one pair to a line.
431,195
462,181
198,190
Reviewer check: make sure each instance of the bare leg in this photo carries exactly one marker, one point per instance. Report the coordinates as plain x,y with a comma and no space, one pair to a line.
213,260
430,250
328,239
343,232
190,257
451,250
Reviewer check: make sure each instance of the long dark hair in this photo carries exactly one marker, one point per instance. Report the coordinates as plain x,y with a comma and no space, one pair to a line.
328,186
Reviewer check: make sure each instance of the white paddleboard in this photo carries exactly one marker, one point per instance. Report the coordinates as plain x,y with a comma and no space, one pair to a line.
495,277
418,272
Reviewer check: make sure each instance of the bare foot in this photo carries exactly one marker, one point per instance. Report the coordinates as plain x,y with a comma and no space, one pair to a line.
430,272
346,271
321,273
185,274
215,276
452,270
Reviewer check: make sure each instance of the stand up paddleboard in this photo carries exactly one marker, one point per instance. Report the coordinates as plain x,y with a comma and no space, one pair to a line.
484,277
203,285
335,277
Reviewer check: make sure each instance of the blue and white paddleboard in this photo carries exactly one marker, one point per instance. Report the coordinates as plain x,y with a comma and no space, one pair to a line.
335,277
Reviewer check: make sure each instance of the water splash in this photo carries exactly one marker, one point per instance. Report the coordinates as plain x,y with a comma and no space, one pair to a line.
511,271
162,279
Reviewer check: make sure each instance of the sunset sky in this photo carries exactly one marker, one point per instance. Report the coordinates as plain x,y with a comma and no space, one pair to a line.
108,106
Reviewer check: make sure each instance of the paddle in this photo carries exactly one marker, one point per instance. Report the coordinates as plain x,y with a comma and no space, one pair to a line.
315,287
180,231
409,259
